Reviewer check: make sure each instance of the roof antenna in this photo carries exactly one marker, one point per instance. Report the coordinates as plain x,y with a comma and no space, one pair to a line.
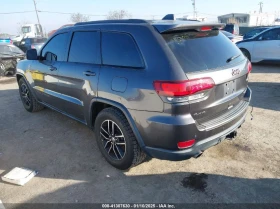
169,17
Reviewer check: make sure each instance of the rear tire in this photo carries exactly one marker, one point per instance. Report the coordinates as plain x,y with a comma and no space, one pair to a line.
28,100
246,54
121,152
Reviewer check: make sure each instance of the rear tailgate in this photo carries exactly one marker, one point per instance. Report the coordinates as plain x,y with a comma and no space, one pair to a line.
209,54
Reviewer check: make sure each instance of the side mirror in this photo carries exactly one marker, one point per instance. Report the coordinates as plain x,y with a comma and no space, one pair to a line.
31,54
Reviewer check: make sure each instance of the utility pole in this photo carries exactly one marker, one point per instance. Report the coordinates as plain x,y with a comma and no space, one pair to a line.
35,5
261,7
194,9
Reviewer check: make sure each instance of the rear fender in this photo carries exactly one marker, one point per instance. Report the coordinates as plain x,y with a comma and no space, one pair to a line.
126,113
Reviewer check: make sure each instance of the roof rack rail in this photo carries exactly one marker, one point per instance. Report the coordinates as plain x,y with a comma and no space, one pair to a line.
134,21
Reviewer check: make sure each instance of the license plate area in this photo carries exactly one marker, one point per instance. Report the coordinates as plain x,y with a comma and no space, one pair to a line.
229,87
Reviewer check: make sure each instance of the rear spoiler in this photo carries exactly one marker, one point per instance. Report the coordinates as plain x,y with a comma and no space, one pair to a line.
173,26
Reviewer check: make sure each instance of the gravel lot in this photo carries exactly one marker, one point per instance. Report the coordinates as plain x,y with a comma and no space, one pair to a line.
71,168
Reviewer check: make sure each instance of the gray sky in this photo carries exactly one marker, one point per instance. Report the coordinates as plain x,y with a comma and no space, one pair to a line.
146,9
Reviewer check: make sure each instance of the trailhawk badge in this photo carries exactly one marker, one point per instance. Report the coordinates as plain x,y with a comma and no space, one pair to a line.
235,72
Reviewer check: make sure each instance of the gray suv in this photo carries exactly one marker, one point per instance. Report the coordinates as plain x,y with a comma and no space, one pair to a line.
165,89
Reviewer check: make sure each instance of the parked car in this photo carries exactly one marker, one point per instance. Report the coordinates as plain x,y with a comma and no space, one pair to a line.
64,26
9,56
254,32
6,40
264,47
146,88
232,37
232,28
31,43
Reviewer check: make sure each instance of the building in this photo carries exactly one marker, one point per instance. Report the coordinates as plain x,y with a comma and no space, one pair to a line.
248,19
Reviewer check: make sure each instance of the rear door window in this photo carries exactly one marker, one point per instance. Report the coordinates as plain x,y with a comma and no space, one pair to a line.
120,49
271,35
199,51
85,48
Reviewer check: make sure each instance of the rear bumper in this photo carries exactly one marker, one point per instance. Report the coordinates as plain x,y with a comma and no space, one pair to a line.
194,151
162,132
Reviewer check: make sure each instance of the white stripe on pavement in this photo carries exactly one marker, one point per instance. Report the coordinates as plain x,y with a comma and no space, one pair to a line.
1,205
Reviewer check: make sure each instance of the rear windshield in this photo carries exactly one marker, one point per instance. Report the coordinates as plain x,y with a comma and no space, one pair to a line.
199,51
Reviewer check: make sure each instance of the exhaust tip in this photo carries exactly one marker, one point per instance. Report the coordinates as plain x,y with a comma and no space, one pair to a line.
232,135
198,155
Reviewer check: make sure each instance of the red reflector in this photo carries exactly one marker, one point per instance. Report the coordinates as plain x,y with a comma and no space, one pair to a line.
183,88
186,144
249,67
206,28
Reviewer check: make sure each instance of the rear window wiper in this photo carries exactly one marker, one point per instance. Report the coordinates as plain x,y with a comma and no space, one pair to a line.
232,58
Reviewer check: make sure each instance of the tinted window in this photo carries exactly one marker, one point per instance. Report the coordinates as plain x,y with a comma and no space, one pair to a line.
119,49
85,48
56,47
198,51
255,32
271,35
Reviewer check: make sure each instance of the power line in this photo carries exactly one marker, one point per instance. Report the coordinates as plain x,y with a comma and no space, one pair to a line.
67,13
7,13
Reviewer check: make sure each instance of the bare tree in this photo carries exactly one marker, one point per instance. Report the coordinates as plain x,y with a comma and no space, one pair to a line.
118,15
78,17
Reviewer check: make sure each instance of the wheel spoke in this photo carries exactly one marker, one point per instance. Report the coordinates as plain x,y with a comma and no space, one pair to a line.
110,149
115,152
109,127
120,143
105,137
121,136
118,150
105,131
106,144
113,129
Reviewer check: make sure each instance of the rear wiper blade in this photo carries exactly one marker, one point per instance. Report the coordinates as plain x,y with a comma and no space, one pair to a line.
232,58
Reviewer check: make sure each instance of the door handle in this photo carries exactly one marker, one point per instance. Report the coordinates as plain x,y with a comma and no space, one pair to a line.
52,68
89,73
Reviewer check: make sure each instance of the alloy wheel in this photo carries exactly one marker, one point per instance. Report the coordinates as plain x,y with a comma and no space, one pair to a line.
25,94
113,139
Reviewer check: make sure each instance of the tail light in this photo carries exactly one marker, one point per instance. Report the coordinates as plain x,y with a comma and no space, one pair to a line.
11,42
249,67
183,88
186,144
